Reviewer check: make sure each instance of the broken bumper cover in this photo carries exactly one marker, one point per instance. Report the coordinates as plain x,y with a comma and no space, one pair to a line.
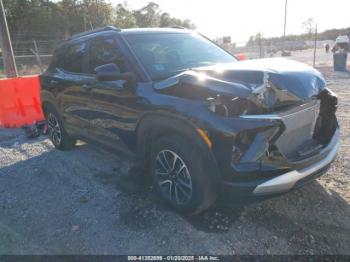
287,181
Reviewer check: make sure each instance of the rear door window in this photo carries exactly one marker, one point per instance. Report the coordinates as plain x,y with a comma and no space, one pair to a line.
75,58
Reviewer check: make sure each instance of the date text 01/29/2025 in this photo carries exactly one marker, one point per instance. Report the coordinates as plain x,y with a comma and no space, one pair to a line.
173,258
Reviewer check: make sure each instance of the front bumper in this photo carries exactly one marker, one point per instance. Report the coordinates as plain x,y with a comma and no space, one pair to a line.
286,181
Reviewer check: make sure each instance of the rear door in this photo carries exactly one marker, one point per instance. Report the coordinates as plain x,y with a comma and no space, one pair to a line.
72,83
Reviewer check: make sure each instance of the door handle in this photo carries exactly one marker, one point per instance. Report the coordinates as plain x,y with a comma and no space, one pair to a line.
87,87
53,82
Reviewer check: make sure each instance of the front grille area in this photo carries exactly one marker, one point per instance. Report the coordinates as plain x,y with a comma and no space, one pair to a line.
299,129
326,123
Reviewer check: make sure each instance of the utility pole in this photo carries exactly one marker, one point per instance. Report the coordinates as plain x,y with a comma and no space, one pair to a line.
6,46
285,19
315,45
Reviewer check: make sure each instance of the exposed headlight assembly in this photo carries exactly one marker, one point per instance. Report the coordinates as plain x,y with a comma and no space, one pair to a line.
216,106
269,96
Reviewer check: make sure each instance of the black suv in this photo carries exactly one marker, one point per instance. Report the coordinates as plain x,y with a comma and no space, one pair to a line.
202,123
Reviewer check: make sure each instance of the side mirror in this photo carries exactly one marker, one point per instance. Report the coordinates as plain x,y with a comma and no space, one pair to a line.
111,72
107,72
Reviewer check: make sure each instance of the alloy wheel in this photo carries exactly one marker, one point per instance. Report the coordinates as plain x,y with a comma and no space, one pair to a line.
173,177
54,129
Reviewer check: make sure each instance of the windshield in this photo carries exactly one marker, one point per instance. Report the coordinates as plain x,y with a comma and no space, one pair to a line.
164,55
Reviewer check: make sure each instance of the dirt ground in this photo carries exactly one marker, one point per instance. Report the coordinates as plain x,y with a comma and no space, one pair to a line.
90,201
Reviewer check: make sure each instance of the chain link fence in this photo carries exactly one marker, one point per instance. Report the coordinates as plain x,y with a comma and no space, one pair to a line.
303,51
33,56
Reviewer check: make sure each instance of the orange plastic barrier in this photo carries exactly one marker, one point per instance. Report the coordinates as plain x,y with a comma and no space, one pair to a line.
20,101
241,57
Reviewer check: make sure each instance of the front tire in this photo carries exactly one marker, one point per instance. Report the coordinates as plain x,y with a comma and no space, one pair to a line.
179,175
56,131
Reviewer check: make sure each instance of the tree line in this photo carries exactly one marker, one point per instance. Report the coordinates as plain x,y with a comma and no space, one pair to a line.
59,19
330,34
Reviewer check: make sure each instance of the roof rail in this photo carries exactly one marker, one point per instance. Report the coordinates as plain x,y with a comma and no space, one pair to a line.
178,27
102,29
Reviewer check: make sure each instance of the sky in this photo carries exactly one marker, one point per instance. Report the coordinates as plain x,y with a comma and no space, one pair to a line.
243,18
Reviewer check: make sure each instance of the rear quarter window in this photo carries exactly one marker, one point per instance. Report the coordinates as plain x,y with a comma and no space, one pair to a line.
57,58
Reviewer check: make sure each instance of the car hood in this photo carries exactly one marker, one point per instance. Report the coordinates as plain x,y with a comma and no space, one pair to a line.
245,78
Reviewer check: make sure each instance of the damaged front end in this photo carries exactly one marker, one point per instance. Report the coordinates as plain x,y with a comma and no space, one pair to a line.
277,120
305,131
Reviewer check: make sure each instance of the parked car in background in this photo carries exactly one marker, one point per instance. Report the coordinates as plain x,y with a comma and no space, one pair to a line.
201,123
342,44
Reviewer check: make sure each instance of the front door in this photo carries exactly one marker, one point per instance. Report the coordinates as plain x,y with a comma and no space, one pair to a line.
114,110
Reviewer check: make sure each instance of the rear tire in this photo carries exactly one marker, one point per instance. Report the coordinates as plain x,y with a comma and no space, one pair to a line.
56,131
179,175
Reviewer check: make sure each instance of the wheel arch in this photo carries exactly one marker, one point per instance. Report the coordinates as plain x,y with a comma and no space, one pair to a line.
157,124
48,99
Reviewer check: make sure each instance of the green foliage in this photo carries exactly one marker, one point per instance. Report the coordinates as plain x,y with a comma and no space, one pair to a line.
124,17
57,19
148,16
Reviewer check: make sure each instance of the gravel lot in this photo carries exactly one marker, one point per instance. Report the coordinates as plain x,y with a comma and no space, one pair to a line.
90,201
